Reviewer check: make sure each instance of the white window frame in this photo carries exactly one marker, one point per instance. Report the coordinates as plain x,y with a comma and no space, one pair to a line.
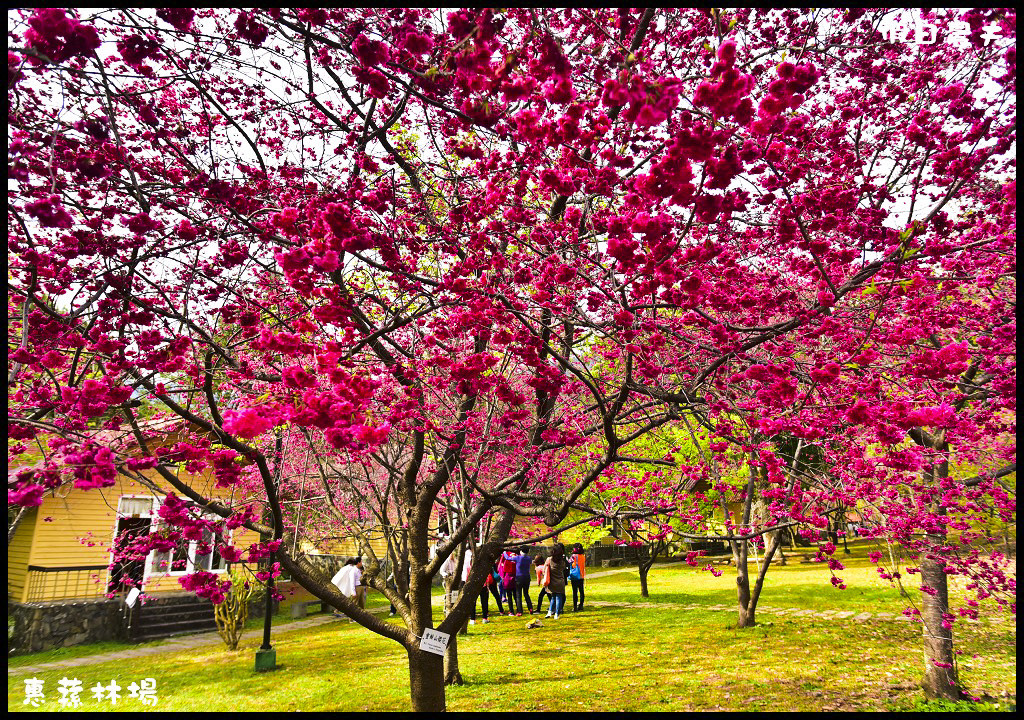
149,568
190,561
122,514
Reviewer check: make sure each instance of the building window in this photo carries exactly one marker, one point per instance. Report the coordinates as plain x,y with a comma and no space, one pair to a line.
209,559
190,557
134,520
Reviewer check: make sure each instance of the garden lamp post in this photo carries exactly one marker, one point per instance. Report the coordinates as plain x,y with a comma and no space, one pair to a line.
266,656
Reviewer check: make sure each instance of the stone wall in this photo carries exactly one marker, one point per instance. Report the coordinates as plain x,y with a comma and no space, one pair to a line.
43,626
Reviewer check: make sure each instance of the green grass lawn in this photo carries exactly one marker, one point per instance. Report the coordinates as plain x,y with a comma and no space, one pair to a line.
610,658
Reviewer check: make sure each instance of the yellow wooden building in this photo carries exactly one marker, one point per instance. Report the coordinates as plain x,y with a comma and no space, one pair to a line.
61,549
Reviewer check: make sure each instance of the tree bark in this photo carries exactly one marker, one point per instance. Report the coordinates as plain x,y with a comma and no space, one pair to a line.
939,682
745,613
426,681
643,566
452,676
746,596
745,617
755,593
740,548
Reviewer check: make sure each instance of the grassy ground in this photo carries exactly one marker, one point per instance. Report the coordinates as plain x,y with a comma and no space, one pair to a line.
281,620
601,659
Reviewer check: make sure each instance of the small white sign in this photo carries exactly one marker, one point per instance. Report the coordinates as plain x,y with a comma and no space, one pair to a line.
434,641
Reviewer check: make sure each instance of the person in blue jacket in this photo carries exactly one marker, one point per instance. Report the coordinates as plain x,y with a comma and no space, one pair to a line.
524,566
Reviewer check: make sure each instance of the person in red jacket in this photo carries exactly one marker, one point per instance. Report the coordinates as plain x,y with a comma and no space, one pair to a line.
577,572
507,571
488,589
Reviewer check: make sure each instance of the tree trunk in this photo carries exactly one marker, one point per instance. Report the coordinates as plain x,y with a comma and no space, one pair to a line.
939,682
740,549
452,676
426,681
643,579
745,617
777,539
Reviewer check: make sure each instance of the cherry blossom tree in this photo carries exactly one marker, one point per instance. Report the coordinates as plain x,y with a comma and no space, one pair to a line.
472,258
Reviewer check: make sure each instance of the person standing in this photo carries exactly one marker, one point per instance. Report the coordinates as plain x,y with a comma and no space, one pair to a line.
353,584
493,585
448,569
558,570
349,581
577,572
467,563
507,571
484,591
542,581
523,562
341,580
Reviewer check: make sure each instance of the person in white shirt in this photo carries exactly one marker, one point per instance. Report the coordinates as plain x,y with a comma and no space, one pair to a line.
467,561
448,568
340,578
349,581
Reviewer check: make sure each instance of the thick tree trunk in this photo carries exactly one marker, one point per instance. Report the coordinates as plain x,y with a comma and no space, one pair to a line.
643,580
746,617
939,682
452,676
426,681
940,677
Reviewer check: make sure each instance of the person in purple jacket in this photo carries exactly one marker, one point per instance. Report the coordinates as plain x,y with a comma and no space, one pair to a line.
524,566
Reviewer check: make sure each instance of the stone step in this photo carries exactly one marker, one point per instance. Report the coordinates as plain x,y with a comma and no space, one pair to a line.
163,630
174,614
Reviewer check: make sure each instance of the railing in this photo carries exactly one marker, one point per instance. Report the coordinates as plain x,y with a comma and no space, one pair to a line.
76,582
